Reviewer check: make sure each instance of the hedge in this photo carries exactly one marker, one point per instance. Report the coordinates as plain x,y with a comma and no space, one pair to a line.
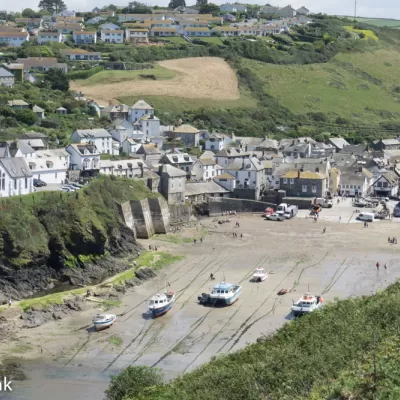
85,74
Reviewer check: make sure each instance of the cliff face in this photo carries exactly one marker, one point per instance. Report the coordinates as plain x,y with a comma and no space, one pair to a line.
49,238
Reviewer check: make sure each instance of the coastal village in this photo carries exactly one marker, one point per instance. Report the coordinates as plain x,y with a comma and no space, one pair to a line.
137,145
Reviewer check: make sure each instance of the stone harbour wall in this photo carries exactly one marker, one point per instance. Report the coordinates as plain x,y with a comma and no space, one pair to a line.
218,205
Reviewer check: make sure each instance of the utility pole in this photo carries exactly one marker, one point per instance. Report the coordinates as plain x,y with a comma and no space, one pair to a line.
355,10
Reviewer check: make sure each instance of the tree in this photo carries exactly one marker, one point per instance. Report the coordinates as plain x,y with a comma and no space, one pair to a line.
131,382
28,13
176,3
209,8
26,116
52,6
57,79
200,3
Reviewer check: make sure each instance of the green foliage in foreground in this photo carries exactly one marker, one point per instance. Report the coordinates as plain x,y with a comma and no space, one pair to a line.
326,355
64,226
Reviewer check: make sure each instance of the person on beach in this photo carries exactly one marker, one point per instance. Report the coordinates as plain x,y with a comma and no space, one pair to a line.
324,230
340,218
194,241
201,240
241,236
377,266
385,266
9,302
389,240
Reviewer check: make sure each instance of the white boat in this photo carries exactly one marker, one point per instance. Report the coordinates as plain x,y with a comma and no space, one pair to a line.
103,321
160,304
260,275
306,304
225,293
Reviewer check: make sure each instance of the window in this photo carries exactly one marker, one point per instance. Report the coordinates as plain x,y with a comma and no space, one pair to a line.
314,188
249,174
26,183
285,181
55,175
291,181
351,186
15,183
3,181
304,188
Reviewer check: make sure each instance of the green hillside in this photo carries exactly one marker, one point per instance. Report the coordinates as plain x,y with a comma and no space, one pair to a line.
348,350
361,86
380,22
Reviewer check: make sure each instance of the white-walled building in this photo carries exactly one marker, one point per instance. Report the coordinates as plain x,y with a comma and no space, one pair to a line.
130,146
124,168
85,37
50,166
217,142
100,137
137,35
139,109
205,169
112,36
15,177
14,38
49,37
84,157
150,125
227,181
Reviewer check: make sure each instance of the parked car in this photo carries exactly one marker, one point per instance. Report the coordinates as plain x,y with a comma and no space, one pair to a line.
76,185
366,217
39,183
275,217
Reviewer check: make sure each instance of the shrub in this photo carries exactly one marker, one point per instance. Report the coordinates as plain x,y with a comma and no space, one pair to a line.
86,73
26,116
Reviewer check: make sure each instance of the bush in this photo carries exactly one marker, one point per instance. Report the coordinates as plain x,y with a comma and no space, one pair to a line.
26,116
132,381
85,74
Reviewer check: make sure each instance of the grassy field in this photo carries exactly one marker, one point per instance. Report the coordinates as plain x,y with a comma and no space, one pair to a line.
380,22
367,32
105,77
212,39
357,85
173,39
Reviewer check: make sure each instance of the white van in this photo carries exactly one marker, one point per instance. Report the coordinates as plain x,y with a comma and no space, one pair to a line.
366,217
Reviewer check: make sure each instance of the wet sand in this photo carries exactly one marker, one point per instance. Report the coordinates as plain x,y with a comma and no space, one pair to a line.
339,263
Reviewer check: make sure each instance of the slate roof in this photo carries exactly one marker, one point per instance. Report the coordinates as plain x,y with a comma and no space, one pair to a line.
12,103
176,158
207,154
142,105
196,188
303,175
96,133
5,74
16,167
148,149
185,128
206,161
173,172
37,109
339,143
225,175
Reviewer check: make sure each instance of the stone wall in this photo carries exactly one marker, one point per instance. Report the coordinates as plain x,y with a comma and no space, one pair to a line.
143,219
302,202
180,213
127,216
273,196
217,205
159,214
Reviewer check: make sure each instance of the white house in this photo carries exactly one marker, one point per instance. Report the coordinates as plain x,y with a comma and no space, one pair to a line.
99,137
109,25
150,125
19,148
182,161
130,146
137,35
355,181
84,157
49,37
217,141
387,185
205,169
50,166
125,168
14,38
85,37
80,55
15,177
112,36
227,181
139,109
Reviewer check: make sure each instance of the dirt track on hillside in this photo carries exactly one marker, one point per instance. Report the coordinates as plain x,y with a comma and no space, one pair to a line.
199,77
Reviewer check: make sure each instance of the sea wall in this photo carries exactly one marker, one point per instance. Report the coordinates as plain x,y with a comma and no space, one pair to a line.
180,213
304,203
146,217
218,205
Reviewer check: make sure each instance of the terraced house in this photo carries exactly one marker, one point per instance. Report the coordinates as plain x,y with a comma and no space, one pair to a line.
66,29
42,64
85,37
164,32
196,31
112,36
14,38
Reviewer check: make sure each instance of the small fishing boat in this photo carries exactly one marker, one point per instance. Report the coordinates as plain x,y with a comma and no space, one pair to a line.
225,293
306,304
160,304
103,321
260,275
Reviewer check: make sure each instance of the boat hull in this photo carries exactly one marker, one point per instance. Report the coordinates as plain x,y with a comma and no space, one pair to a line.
297,311
158,312
99,326
226,301
260,278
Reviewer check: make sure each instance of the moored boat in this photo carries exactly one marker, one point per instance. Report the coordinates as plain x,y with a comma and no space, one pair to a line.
260,275
306,304
160,304
225,293
103,321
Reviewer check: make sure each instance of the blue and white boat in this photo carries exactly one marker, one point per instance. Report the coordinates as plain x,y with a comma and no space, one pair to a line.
103,321
225,293
160,304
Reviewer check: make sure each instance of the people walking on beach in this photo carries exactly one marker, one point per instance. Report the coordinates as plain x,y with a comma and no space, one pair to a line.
241,236
340,218
389,239
324,230
385,266
194,241
377,266
155,248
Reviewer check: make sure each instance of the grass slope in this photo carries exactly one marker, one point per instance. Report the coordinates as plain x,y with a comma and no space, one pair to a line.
380,22
319,356
105,77
356,85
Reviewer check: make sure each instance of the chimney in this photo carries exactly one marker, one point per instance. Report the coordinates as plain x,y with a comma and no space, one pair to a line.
298,174
293,142
316,169
243,163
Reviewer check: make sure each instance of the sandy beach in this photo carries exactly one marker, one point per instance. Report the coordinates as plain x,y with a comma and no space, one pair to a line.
337,264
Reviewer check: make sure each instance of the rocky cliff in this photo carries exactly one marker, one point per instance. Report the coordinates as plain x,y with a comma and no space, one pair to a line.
50,238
